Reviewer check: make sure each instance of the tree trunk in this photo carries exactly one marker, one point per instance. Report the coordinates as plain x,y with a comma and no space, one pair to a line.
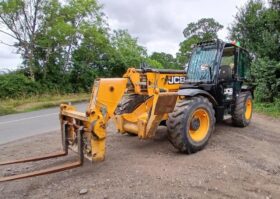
30,63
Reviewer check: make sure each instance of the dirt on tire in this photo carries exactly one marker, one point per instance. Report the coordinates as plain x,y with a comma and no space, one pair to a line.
177,124
236,163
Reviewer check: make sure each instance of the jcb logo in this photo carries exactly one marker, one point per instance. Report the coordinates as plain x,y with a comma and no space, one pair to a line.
176,80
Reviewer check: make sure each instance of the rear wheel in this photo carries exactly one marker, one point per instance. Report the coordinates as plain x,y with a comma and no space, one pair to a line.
191,124
129,103
243,110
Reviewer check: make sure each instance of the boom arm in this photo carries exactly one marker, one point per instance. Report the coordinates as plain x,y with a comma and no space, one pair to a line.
105,97
106,94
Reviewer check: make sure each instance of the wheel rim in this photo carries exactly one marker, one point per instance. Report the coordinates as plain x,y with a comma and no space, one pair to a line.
248,111
198,133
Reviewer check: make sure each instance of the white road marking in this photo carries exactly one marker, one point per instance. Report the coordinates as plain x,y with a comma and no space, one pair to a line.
28,118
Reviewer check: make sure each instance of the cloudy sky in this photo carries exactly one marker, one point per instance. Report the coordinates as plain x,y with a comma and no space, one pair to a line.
158,24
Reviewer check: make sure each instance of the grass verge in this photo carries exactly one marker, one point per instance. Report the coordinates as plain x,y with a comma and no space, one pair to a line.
9,106
24,104
271,109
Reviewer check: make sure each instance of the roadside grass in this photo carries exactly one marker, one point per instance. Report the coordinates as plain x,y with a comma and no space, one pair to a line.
26,104
271,109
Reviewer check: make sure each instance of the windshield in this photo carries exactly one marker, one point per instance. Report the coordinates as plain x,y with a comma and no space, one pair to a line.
201,65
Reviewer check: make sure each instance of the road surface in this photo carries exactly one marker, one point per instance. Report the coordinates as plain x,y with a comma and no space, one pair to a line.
17,126
236,163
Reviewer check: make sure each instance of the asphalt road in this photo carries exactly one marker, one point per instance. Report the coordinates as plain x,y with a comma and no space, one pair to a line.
17,126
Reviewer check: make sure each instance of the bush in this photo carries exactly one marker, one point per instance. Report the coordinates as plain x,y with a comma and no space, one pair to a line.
267,79
16,85
272,109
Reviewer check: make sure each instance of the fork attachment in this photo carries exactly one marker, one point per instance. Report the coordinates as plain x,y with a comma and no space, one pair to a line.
54,169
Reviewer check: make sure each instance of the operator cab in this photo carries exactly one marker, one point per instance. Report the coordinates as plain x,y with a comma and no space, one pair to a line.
220,70
234,70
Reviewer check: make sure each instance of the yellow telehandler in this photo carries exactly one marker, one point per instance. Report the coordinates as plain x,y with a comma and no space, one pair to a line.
216,87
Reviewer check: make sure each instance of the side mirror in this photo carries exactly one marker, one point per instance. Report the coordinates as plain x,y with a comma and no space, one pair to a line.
253,56
186,67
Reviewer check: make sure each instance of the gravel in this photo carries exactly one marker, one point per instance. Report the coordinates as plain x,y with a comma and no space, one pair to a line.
237,163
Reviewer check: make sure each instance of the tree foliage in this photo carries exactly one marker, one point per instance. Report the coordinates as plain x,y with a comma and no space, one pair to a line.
154,63
267,77
127,52
23,19
204,29
166,60
185,48
46,32
257,27
15,85
66,45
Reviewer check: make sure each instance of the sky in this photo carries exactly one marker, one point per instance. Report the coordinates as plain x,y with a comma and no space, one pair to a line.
157,24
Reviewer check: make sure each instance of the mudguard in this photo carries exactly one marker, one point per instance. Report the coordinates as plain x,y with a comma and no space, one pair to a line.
191,92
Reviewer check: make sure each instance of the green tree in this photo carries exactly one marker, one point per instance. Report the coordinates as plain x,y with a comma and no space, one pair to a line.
64,31
22,26
91,59
257,27
185,48
166,60
267,76
65,45
204,29
128,53
154,63
46,32
103,55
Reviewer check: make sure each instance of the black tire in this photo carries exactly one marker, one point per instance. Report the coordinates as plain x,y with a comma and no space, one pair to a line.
129,103
179,122
131,134
239,113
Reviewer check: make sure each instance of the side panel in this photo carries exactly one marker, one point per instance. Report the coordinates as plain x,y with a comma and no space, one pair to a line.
194,92
144,120
149,82
167,82
107,93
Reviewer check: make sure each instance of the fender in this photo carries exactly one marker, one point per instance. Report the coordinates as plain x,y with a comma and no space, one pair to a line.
190,92
249,88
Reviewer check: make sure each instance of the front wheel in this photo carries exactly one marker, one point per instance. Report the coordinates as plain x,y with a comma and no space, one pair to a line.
191,124
243,110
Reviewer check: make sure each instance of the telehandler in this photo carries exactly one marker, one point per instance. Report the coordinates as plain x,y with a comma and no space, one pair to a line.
215,86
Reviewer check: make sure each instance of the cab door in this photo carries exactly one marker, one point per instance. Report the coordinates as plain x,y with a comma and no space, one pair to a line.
243,70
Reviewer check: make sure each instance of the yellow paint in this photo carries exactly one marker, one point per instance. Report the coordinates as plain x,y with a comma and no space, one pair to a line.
135,122
157,82
98,149
154,82
204,120
144,108
248,109
134,78
106,95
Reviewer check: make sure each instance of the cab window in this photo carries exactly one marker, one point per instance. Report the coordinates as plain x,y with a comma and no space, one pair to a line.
243,66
